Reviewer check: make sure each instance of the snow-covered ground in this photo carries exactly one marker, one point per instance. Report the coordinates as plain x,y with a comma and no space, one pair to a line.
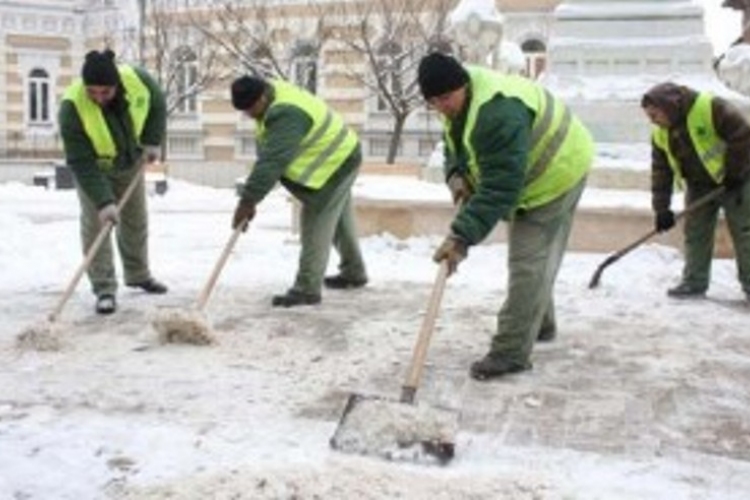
640,397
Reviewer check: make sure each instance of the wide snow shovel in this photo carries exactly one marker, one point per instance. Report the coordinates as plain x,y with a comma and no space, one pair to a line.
402,430
45,336
596,277
180,326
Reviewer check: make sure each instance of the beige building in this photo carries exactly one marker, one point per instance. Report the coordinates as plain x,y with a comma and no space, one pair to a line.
44,41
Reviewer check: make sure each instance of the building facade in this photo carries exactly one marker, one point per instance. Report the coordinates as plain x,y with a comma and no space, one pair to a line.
43,43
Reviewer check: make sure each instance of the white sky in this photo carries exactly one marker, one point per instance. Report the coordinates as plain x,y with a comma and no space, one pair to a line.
640,397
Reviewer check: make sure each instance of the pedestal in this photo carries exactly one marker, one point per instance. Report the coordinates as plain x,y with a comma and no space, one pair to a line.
604,55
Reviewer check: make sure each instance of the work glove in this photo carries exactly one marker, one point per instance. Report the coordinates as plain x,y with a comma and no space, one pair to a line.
453,250
108,213
460,188
664,221
243,214
151,153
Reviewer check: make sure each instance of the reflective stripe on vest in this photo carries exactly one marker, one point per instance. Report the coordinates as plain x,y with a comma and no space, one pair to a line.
95,125
327,144
709,147
542,127
561,149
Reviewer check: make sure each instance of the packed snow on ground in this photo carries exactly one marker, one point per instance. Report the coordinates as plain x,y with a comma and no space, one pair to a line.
640,397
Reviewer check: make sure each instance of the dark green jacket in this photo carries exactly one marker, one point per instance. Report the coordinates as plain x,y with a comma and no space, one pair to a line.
80,155
501,139
286,126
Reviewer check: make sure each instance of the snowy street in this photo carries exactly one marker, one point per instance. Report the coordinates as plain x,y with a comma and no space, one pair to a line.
640,397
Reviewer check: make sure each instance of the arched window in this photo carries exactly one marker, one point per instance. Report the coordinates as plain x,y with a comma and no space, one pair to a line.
186,80
305,66
38,103
535,52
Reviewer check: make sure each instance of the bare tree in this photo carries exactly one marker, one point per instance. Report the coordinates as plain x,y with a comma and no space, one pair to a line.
390,37
184,61
261,37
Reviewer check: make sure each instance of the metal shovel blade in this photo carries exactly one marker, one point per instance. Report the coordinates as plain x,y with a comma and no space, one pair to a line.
398,431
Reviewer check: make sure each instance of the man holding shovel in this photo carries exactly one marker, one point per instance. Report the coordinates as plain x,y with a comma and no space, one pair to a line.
307,147
514,153
112,120
701,142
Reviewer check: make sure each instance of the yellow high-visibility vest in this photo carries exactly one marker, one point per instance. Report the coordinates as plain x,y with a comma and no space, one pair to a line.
90,113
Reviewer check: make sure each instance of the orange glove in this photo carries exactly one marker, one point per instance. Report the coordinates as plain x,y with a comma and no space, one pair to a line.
243,214
453,250
460,189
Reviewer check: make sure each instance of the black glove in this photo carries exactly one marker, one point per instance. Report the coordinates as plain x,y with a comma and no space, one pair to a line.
243,214
664,221
453,250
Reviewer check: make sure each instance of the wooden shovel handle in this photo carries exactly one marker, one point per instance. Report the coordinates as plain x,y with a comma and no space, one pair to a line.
209,286
94,248
419,354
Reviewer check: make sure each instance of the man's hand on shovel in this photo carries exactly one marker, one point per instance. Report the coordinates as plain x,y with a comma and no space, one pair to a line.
243,214
453,250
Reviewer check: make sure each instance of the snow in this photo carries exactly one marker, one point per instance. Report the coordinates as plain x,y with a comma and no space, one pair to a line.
640,397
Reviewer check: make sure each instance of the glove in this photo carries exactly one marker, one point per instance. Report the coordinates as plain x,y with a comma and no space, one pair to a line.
453,250
243,214
151,153
664,221
108,213
460,188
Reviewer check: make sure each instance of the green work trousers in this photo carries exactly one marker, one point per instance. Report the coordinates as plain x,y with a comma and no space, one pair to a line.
537,240
700,231
327,218
131,234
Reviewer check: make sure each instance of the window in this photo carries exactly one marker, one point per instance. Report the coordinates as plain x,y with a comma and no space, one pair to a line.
38,110
536,57
186,80
305,66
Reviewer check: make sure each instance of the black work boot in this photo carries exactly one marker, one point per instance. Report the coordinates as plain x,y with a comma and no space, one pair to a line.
295,298
106,304
686,291
495,365
150,286
341,282
546,335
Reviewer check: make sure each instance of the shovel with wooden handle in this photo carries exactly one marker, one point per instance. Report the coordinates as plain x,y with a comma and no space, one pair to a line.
42,336
596,277
192,326
402,430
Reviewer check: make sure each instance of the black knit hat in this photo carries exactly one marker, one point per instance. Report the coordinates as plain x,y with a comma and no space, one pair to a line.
99,68
439,74
246,90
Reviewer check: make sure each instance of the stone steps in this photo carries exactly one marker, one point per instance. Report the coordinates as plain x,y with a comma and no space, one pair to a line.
614,212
